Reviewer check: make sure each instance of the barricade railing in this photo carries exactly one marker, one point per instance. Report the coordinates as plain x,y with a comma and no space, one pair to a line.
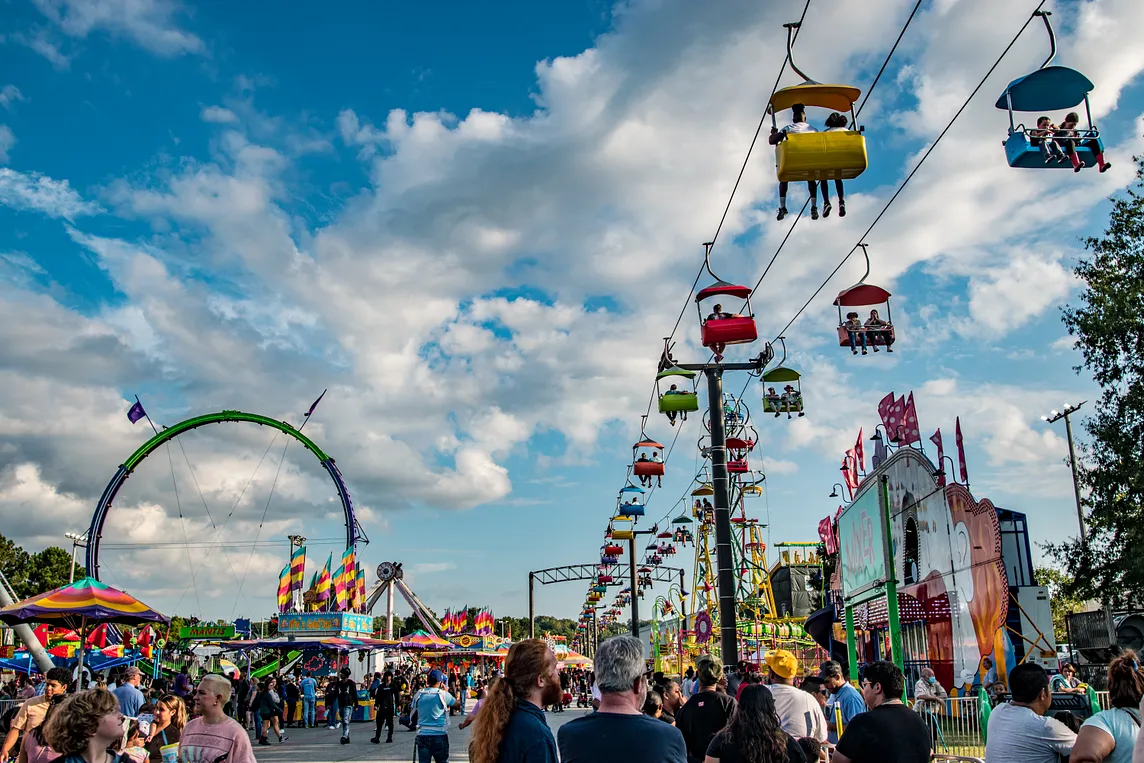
8,704
1102,698
955,727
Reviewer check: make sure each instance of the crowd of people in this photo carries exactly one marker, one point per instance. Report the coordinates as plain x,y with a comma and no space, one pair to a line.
777,714
117,721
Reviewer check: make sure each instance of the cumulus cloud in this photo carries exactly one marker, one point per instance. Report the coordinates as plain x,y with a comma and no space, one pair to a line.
9,95
218,115
499,279
7,140
150,24
40,193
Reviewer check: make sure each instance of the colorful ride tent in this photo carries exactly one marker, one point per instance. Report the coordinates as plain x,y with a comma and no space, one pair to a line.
1048,89
80,604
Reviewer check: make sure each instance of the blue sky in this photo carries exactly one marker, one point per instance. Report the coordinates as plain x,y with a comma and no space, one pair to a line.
475,228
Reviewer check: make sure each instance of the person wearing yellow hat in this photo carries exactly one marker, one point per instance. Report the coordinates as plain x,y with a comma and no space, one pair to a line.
799,712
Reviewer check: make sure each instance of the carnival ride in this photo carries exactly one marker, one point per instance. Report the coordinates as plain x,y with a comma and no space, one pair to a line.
1050,88
832,155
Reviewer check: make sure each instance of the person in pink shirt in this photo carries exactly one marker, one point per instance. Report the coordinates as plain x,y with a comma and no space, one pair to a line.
213,736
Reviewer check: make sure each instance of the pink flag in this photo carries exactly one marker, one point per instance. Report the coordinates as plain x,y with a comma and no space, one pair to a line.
826,533
909,433
961,454
936,440
860,451
885,408
850,471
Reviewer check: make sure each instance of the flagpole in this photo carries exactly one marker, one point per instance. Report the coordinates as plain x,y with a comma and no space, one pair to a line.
306,417
146,415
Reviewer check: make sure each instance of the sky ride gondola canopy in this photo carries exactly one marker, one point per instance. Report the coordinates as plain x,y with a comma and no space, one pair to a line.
862,295
1053,88
834,97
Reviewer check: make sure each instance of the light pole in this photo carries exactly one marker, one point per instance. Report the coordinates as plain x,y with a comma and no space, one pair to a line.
1052,418
834,491
77,541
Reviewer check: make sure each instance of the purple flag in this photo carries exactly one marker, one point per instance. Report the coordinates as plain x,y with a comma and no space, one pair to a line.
136,412
315,404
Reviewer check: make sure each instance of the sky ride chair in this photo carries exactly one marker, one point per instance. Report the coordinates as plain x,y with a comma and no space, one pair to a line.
790,399
1050,88
674,401
863,294
812,156
721,328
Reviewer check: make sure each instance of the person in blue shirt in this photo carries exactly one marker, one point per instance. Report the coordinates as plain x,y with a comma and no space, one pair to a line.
618,731
128,694
309,689
842,695
432,707
510,727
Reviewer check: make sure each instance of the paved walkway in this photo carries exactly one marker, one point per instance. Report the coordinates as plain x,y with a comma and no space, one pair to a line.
321,745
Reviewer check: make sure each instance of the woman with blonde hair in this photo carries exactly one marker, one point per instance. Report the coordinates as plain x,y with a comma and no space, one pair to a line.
85,726
170,718
511,727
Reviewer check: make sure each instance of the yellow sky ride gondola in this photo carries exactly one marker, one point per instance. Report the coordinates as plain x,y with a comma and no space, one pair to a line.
833,155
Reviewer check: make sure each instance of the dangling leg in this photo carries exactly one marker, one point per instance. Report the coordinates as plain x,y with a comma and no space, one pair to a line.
783,186
812,186
1099,153
825,198
841,198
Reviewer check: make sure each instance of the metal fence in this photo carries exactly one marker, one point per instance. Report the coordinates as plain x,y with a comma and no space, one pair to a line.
955,727
1102,698
8,704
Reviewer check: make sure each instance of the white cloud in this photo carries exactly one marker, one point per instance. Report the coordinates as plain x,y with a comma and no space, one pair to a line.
1006,297
44,44
9,95
149,23
443,303
218,115
34,191
7,140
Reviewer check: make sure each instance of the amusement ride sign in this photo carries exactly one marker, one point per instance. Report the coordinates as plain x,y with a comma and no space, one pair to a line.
861,537
206,632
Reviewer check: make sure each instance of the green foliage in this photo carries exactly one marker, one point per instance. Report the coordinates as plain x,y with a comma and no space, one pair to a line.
31,574
1061,602
1109,328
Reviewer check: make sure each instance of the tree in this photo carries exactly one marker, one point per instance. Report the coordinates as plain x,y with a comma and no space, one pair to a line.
31,574
1061,603
1109,328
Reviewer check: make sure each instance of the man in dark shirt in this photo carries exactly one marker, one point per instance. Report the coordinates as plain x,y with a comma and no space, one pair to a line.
347,701
707,712
889,732
619,731
385,700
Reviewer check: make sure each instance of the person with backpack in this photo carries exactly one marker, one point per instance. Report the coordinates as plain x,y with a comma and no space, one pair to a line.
431,706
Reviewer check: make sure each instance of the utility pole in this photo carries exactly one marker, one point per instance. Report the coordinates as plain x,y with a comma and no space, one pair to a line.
720,483
1052,418
77,541
531,605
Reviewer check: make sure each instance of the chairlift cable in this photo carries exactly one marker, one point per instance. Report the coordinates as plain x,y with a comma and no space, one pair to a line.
887,61
742,171
915,169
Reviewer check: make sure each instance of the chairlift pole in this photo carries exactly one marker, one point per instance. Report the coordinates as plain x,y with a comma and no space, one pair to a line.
720,483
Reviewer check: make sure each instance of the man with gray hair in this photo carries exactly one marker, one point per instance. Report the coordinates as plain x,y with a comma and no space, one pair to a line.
619,731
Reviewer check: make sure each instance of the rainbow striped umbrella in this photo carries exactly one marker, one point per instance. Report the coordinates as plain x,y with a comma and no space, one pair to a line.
424,639
78,604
